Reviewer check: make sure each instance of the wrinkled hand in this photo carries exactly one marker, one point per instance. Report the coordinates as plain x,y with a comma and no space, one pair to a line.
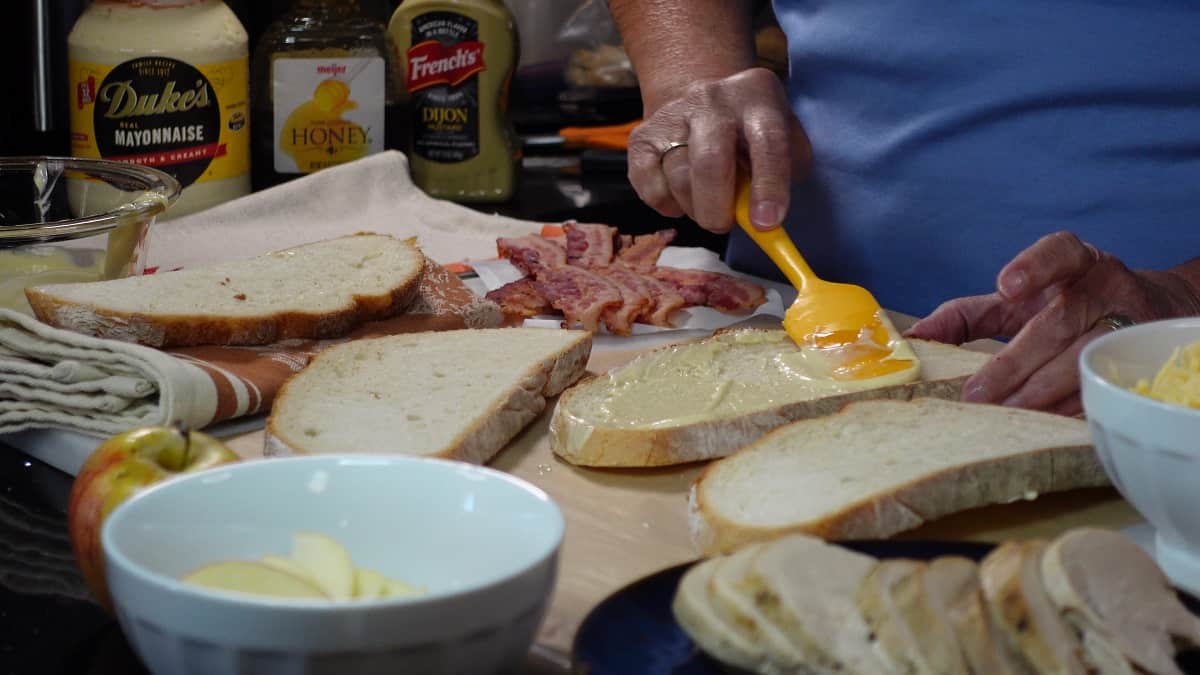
1049,299
747,114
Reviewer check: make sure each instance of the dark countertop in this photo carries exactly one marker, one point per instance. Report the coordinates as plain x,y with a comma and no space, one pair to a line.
48,623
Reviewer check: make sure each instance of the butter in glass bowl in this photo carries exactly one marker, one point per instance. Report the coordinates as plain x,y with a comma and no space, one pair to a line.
71,219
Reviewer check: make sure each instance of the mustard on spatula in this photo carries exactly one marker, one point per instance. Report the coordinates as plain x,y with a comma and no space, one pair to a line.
843,321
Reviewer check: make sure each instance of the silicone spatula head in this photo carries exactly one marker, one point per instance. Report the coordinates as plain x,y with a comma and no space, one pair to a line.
842,319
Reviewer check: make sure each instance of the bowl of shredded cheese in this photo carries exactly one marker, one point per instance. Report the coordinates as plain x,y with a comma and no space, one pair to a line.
1141,394
1178,381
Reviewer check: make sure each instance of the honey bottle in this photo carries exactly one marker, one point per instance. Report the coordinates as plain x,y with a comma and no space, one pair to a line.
458,57
323,91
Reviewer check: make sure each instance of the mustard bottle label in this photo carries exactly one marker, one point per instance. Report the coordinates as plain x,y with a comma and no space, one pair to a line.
444,63
187,120
327,111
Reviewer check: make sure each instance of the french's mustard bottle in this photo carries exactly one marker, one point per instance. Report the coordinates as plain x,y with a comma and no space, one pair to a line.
458,59
324,90
164,83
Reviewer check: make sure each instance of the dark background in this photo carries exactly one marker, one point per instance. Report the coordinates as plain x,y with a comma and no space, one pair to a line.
595,189
18,135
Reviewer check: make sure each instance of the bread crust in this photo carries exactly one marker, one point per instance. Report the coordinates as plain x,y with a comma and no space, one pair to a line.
612,446
713,439
478,442
936,494
188,330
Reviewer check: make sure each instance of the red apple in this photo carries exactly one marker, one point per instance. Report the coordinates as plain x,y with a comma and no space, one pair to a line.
121,467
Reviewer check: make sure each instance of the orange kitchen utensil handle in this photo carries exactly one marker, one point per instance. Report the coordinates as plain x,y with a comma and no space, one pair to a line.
611,137
774,242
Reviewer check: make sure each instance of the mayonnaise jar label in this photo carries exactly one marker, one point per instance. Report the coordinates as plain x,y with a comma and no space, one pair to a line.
189,120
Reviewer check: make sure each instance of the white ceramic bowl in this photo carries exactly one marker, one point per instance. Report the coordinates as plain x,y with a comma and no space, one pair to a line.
484,544
1151,450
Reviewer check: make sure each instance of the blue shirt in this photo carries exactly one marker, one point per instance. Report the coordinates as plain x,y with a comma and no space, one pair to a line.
948,135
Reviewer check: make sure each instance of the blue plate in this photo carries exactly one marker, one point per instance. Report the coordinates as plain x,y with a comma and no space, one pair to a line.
632,632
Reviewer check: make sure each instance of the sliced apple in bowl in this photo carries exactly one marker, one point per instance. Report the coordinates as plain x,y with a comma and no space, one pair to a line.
255,578
318,567
327,561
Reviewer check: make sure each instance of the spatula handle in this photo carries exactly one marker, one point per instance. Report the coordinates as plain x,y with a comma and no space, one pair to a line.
774,242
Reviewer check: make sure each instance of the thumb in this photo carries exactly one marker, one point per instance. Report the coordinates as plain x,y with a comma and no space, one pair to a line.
960,320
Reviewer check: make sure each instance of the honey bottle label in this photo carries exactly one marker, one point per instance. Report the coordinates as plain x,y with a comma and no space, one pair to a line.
187,120
444,63
328,111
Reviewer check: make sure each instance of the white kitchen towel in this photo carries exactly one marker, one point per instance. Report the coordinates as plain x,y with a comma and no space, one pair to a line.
55,378
374,194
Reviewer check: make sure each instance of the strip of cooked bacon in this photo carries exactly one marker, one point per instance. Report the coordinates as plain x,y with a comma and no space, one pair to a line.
520,298
688,283
666,300
582,296
642,253
531,252
635,298
731,294
713,289
589,244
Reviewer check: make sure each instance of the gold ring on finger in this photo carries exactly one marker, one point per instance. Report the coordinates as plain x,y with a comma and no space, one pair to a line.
1114,322
673,145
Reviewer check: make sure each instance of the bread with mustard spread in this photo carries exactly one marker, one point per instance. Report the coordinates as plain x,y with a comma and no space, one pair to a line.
318,290
881,467
703,400
459,394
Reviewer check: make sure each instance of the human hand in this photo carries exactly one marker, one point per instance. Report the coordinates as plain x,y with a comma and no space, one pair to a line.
720,120
1049,300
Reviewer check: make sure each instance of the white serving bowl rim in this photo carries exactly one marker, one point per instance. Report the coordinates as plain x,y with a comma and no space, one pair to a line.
1125,394
316,606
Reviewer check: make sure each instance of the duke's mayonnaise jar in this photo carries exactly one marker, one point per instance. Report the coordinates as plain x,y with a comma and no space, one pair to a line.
164,83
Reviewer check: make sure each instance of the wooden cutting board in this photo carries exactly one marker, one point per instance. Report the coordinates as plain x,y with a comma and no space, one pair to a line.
623,524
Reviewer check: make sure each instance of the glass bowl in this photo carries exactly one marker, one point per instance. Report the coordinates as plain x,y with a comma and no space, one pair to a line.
67,219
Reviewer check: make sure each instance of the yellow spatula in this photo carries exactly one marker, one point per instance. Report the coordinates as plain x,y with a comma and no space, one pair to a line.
842,320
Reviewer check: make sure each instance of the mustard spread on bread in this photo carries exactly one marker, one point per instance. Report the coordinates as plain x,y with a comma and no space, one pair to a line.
733,373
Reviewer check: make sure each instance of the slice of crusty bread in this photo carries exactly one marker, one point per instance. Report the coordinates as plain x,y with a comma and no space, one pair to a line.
1118,599
318,290
460,394
881,467
1030,623
594,422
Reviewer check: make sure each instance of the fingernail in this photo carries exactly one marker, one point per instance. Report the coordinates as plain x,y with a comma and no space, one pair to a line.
765,215
1014,401
974,393
1014,283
